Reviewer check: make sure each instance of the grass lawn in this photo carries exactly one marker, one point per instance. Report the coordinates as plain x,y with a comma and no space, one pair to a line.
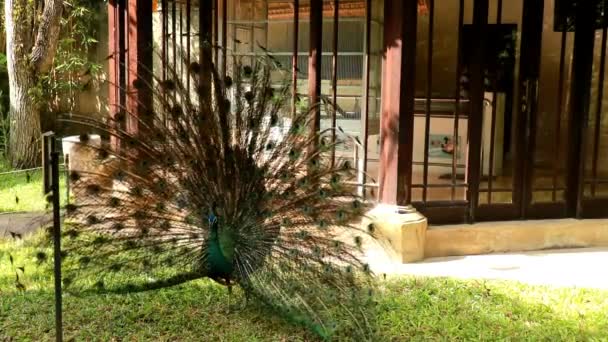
23,191
409,309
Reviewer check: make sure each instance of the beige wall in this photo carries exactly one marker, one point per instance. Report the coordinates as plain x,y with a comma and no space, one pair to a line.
94,101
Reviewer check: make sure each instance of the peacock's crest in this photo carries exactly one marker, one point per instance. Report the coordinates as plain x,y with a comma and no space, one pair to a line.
223,182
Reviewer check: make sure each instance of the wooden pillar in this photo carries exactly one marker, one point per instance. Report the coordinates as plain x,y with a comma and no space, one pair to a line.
116,61
314,62
130,61
113,49
397,120
139,61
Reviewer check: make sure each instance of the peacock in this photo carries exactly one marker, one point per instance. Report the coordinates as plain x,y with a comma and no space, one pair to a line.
222,180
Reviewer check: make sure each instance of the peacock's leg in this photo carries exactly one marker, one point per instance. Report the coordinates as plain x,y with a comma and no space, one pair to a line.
229,293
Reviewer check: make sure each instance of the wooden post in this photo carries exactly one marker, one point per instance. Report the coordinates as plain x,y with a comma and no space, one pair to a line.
54,158
397,120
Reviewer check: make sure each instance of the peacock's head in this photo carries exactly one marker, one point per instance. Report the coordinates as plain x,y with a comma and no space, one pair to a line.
212,218
217,223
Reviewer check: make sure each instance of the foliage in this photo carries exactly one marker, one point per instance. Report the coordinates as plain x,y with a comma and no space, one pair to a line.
75,69
409,309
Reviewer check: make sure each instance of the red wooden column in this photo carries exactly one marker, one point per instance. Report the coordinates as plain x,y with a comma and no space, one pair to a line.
130,59
397,120
314,62
114,54
139,60
116,60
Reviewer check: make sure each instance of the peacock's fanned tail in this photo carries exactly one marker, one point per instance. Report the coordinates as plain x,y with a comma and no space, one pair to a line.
222,182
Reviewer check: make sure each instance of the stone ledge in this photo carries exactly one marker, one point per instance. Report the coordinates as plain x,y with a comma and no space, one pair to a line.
512,236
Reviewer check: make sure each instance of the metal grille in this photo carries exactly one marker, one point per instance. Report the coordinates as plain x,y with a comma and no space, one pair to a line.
596,170
350,62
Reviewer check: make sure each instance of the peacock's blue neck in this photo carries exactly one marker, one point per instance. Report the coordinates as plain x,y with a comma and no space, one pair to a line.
220,250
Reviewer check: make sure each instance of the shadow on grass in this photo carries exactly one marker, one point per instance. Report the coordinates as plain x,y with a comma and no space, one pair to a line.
195,311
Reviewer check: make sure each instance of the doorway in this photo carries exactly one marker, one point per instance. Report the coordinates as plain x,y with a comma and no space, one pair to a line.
524,132
505,144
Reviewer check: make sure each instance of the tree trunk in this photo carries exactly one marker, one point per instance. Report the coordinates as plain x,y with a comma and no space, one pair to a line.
24,144
30,49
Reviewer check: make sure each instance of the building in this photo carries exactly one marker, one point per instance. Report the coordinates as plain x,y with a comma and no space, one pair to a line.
468,110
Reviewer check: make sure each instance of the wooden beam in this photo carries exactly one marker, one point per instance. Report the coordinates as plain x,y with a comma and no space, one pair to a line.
397,120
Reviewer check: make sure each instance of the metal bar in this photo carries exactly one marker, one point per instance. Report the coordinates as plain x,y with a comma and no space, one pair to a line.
334,82
173,67
56,241
398,91
598,111
188,42
560,102
366,66
278,53
215,32
480,20
493,123
165,46
431,185
532,30
46,164
598,181
290,21
584,37
164,38
543,189
181,41
66,169
314,64
495,190
429,89
205,53
224,37
457,100
294,58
